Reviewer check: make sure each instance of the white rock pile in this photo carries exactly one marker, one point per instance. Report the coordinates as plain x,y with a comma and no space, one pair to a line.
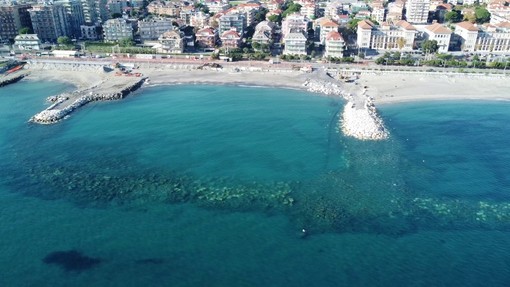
323,87
363,122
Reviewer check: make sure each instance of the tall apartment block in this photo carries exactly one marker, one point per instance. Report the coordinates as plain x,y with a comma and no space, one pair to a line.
50,21
417,11
12,19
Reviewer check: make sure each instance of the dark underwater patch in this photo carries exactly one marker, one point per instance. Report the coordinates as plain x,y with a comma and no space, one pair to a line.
71,260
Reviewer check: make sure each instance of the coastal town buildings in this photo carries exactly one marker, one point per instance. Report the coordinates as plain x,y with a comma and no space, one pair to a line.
387,36
325,25
500,11
89,32
378,12
295,43
152,29
206,38
199,19
296,22
27,42
335,45
50,21
493,38
467,32
216,6
171,42
118,6
13,17
163,8
395,11
117,29
440,34
264,33
417,11
230,39
232,20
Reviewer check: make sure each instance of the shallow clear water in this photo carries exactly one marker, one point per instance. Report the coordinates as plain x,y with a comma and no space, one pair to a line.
212,186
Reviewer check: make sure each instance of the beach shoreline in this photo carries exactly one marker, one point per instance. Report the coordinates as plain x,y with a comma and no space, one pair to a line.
359,117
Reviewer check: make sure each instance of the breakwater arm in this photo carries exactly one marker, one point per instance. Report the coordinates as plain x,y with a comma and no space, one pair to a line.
111,89
12,78
359,116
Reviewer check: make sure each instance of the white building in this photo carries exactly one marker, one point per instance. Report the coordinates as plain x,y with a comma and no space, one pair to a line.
378,11
335,45
417,11
295,43
294,22
439,33
468,33
171,42
154,28
397,36
494,38
27,42
117,29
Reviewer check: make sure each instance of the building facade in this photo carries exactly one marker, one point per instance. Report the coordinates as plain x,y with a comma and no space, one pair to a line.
115,30
295,43
50,21
171,42
440,34
12,19
27,42
232,20
335,45
152,29
397,36
417,11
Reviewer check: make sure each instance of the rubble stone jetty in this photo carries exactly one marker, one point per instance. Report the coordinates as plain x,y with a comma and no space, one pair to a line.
359,117
65,105
13,78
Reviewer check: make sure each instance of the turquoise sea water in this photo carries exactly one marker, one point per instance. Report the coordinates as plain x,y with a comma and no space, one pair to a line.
212,186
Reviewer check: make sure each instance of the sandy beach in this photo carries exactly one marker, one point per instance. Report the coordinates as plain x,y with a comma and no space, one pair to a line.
396,87
385,88
359,118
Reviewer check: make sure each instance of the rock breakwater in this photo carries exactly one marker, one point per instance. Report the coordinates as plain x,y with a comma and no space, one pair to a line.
363,122
60,110
359,118
11,79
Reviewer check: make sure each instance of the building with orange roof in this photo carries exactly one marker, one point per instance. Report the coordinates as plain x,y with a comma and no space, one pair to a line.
230,39
295,43
387,36
324,26
467,33
439,33
206,38
494,38
335,45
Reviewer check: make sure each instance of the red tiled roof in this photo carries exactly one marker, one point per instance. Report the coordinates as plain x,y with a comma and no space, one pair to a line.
404,24
467,25
334,35
437,28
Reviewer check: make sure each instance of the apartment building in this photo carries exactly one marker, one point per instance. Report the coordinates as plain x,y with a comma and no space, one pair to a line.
417,11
